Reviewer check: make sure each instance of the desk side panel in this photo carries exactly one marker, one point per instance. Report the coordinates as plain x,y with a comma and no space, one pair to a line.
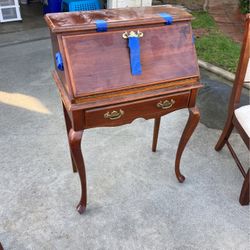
61,74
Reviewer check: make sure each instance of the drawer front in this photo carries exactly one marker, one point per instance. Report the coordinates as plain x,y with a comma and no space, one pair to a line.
126,113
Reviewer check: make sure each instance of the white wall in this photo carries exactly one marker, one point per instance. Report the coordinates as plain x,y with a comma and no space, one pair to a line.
128,3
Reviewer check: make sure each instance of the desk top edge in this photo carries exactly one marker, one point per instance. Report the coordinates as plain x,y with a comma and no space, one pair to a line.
85,20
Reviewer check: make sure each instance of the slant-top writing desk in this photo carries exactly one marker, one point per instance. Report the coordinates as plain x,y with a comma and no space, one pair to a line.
113,66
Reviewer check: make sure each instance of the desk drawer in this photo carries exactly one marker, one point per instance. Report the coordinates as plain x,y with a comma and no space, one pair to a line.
125,113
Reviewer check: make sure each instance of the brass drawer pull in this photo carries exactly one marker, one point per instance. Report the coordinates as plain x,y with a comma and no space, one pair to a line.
166,104
126,34
114,115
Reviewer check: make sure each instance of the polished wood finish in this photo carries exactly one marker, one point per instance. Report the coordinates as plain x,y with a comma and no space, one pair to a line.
173,56
146,109
232,121
157,123
97,88
69,127
237,88
126,17
244,194
91,71
75,138
194,117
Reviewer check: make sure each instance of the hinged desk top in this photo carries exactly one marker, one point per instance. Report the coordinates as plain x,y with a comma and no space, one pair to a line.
83,21
97,64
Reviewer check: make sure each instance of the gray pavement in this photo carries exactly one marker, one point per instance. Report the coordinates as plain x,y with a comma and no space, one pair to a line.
134,199
31,19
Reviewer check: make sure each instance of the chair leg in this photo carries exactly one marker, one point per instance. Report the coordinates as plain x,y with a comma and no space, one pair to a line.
1,247
236,159
244,195
225,135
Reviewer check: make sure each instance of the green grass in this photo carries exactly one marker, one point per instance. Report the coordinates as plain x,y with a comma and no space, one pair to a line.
244,6
215,47
203,20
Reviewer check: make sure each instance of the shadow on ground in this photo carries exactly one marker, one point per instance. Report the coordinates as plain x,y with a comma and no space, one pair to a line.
213,100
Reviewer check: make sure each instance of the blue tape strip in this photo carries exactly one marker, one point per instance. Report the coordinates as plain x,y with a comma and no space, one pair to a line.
101,25
135,55
168,18
59,61
193,38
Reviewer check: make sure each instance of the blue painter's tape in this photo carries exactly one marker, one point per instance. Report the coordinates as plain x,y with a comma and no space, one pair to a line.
193,38
101,25
168,18
59,61
135,55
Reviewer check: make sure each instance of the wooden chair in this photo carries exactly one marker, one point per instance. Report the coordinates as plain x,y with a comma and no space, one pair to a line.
239,117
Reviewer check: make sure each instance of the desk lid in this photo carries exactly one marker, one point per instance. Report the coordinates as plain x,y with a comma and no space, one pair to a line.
100,62
85,20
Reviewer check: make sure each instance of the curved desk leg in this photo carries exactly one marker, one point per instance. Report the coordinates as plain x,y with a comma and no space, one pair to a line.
75,138
68,127
193,120
156,133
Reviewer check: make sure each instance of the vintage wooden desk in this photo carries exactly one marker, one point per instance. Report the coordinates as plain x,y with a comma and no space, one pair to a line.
113,66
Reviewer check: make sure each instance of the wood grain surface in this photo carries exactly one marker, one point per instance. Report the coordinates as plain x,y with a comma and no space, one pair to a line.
97,88
100,63
85,20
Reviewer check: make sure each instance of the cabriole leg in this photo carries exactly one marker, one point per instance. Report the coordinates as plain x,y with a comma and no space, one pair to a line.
193,120
68,127
156,133
75,138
